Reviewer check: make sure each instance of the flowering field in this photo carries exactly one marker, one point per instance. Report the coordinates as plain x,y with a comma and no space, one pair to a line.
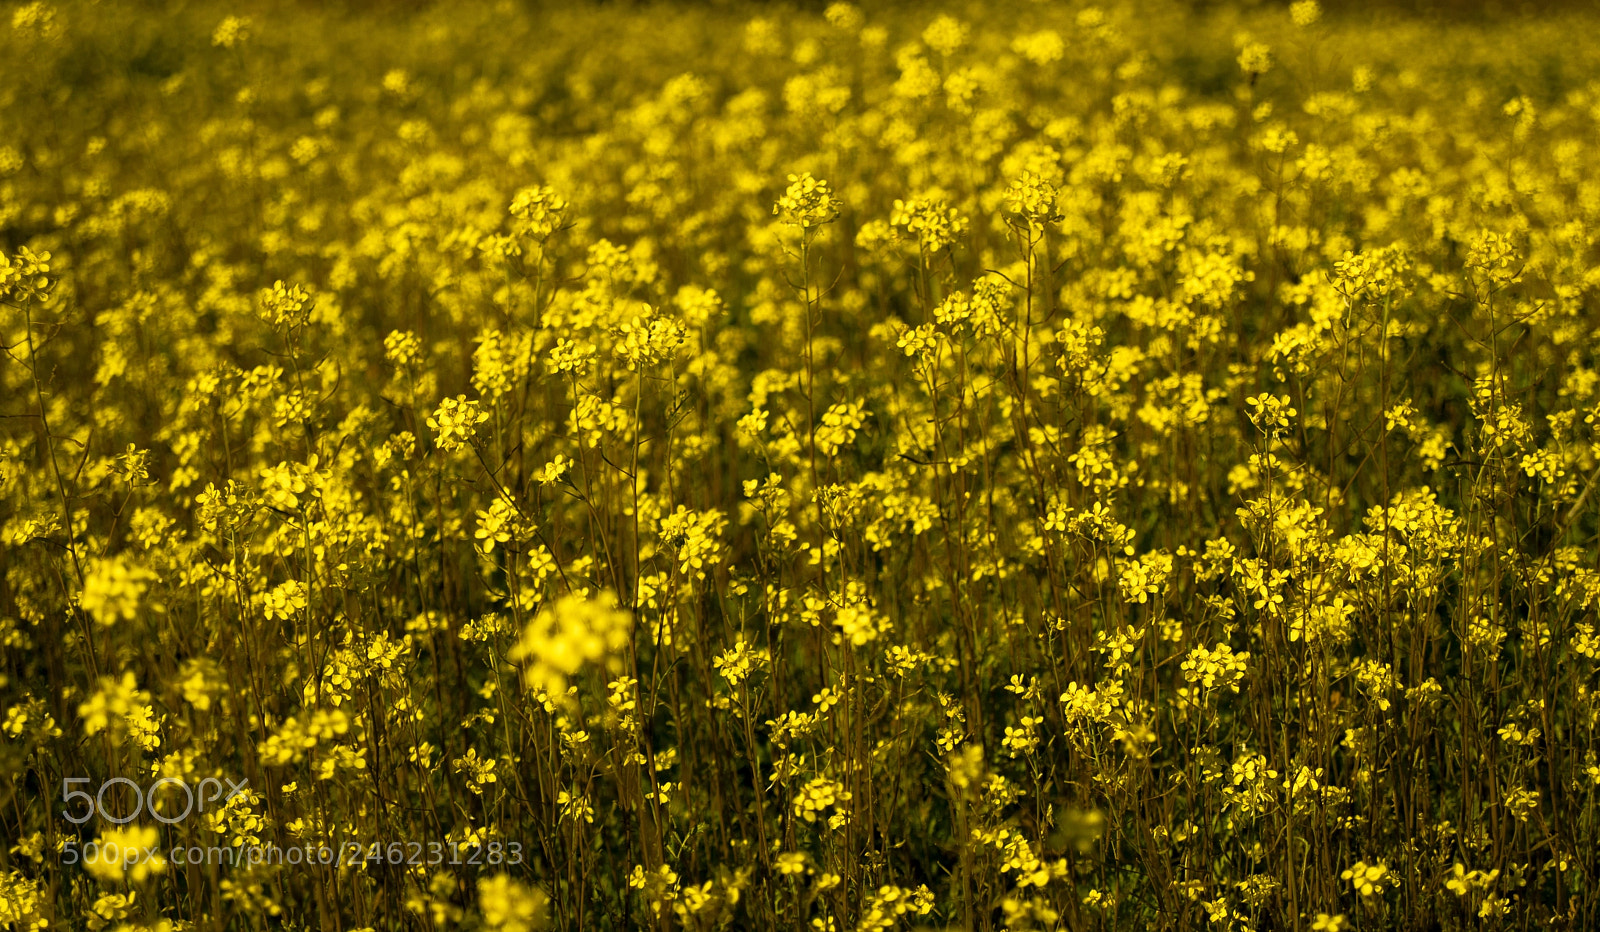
1003,466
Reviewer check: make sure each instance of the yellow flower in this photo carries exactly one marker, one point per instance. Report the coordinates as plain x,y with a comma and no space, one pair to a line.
511,906
564,636
806,203
455,421
1255,58
231,31
1367,879
113,590
1305,13
791,863
131,854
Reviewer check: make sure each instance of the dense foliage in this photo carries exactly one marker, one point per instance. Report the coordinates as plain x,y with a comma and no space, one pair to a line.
1026,465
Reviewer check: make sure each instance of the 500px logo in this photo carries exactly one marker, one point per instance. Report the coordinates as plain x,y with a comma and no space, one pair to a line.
145,800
